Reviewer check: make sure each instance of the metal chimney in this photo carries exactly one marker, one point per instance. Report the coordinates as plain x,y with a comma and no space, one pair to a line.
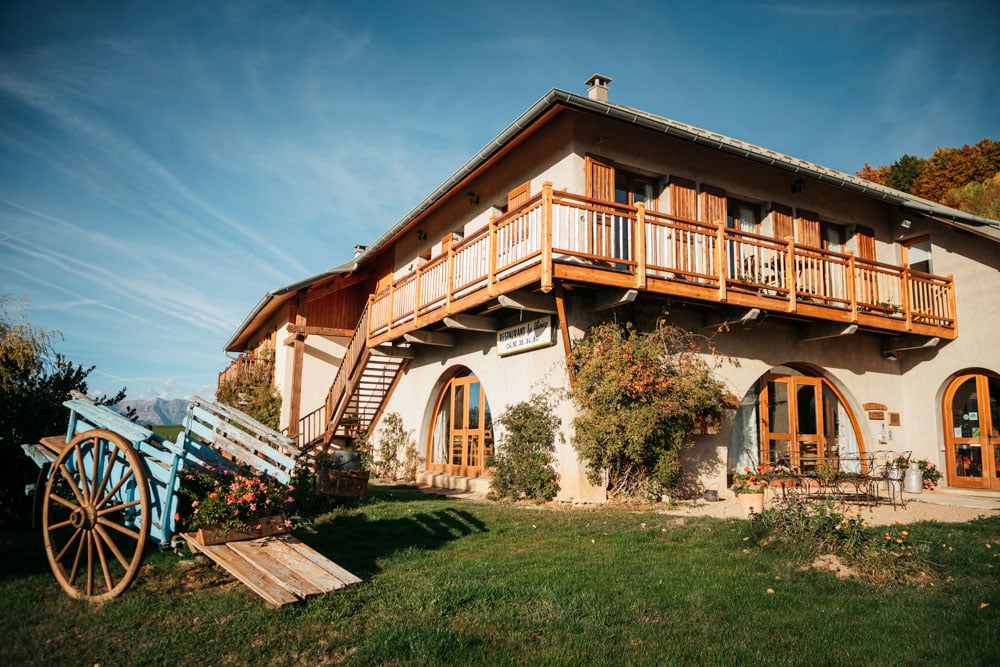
598,87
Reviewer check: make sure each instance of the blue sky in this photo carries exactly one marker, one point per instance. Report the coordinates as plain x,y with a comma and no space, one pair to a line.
163,165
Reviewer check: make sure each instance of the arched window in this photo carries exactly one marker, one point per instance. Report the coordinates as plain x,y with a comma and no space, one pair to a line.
461,438
794,418
972,431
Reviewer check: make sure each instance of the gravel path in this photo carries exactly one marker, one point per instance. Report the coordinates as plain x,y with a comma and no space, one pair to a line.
938,506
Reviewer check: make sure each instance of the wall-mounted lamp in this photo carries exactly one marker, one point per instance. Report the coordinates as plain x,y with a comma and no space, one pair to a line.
421,235
890,356
473,198
905,224
797,186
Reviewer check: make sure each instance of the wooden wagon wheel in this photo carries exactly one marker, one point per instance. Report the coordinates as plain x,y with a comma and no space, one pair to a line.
96,515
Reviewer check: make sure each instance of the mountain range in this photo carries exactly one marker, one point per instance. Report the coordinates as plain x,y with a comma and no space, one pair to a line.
157,411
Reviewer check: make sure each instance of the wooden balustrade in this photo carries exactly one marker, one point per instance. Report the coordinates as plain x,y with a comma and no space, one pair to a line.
579,238
247,369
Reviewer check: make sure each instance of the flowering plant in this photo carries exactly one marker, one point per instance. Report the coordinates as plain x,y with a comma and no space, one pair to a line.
748,481
231,498
930,473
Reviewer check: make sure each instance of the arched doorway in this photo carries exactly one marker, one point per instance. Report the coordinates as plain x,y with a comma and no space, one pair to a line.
461,437
793,417
972,431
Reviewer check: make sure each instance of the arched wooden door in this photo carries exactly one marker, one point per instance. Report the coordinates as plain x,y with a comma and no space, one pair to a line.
803,419
972,431
461,440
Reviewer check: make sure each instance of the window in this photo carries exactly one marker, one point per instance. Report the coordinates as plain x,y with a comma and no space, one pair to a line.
743,216
461,440
917,254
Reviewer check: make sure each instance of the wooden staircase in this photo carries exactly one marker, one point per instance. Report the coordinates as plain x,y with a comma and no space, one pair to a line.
363,384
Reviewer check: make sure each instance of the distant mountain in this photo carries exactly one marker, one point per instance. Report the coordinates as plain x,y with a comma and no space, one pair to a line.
158,411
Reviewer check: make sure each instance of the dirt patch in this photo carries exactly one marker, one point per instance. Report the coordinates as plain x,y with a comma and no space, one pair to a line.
833,563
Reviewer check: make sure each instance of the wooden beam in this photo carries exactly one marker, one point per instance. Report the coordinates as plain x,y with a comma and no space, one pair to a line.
536,303
319,331
472,323
607,299
298,352
827,330
914,342
393,351
435,338
734,317
564,332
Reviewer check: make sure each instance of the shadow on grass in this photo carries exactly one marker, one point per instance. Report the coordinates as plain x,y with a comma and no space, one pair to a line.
358,542
22,553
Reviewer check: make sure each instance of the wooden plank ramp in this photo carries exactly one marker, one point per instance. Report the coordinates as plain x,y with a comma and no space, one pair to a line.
281,569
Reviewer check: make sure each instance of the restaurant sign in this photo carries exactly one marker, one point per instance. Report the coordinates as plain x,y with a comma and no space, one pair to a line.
526,336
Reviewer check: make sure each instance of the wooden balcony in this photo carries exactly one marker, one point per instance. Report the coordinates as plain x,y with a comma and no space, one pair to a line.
246,370
566,237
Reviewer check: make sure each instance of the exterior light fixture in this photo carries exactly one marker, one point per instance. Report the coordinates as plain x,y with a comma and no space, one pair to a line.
798,185
905,224
473,198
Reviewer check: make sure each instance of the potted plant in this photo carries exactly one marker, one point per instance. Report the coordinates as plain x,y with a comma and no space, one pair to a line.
227,504
749,486
344,472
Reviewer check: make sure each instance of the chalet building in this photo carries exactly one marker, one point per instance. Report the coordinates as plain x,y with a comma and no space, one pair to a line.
862,318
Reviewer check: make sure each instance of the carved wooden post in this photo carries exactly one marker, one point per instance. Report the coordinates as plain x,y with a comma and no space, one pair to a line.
721,259
906,298
790,274
640,246
547,237
852,294
494,251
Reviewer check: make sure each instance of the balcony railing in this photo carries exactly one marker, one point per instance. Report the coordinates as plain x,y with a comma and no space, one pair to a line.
559,235
246,370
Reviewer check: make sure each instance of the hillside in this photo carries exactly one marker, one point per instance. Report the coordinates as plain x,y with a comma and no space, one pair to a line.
157,411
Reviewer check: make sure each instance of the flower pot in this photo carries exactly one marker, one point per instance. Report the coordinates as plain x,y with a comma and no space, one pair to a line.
751,503
217,534
343,483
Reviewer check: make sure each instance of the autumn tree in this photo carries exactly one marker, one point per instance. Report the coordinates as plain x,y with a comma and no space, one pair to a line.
638,396
34,382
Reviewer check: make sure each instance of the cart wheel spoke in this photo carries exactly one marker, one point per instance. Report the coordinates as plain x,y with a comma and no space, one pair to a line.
69,543
95,536
111,513
117,526
113,547
117,508
81,475
68,476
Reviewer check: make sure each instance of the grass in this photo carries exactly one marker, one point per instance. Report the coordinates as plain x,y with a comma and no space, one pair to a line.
452,582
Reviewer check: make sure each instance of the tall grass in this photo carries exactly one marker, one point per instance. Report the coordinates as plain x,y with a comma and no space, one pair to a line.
452,582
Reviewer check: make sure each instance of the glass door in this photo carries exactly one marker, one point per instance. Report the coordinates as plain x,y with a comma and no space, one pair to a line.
792,421
972,432
461,442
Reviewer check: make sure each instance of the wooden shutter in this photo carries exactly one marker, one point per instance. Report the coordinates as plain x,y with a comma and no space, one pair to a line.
807,232
519,196
782,218
683,199
600,179
713,205
866,242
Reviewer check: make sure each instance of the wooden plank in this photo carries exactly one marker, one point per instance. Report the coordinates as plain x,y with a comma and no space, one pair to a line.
281,569
308,563
259,554
251,577
317,558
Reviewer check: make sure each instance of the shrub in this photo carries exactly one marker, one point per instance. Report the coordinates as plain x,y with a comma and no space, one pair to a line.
639,395
880,556
392,441
523,461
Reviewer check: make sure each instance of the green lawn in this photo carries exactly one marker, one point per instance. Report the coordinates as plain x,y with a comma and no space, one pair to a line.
452,582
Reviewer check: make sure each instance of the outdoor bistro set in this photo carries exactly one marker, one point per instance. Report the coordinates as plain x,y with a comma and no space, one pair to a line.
870,478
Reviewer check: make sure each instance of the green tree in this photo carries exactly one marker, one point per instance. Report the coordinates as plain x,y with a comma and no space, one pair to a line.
982,199
523,461
639,395
904,171
34,382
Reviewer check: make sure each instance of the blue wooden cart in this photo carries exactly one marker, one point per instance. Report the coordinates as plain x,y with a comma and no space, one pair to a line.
113,485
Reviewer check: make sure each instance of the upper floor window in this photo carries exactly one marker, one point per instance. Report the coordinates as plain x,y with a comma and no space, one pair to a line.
632,189
917,254
743,216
